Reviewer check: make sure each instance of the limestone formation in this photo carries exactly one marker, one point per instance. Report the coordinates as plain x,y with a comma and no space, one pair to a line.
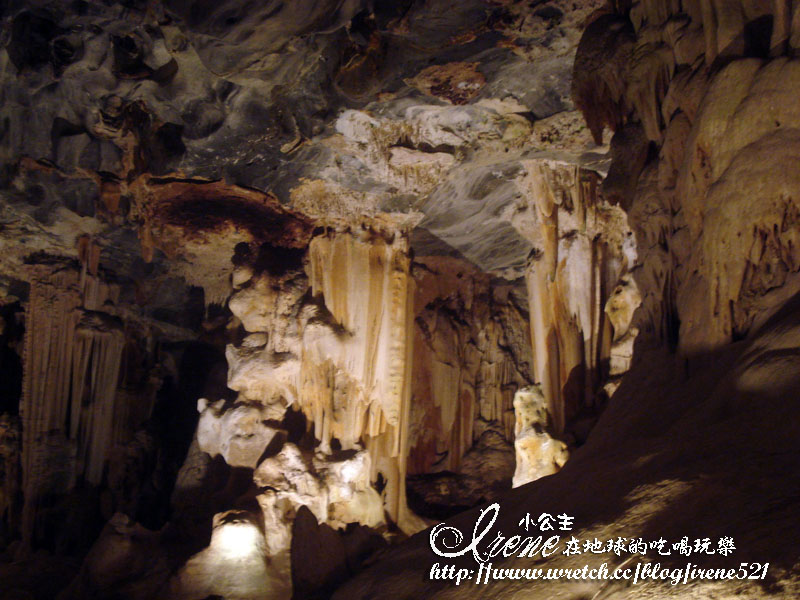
698,305
538,453
466,369
583,246
239,433
284,283
337,489
72,363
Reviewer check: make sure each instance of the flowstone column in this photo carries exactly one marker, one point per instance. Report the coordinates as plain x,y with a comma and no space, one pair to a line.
582,245
71,363
327,331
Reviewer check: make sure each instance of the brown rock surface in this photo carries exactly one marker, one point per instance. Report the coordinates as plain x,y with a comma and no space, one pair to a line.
303,267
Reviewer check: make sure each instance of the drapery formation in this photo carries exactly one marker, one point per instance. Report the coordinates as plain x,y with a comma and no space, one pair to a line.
72,360
579,254
332,336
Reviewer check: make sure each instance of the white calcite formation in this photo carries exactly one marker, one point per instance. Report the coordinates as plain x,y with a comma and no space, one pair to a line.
329,335
620,308
582,248
538,452
461,278
239,433
337,490
713,216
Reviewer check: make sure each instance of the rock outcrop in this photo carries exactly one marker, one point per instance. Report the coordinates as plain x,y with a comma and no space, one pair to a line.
538,453
282,283
701,311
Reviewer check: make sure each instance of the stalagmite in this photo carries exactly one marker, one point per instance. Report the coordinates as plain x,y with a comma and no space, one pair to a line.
283,283
538,452
329,333
619,308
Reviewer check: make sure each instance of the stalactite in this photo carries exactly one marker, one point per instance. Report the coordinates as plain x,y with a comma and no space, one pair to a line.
341,352
96,363
580,254
365,284
472,352
72,360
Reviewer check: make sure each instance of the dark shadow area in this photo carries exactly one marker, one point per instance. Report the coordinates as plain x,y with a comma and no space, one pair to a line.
443,495
707,452
11,336
202,373
758,36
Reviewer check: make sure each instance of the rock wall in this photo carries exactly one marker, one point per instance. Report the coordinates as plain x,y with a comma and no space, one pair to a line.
715,215
472,351
169,137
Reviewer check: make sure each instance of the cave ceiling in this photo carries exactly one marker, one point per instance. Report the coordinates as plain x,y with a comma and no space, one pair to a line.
163,132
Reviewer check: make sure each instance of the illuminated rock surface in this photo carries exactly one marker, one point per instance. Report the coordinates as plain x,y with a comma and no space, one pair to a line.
284,283
537,453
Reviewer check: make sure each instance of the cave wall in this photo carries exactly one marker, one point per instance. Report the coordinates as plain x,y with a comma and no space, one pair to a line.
698,96
715,214
472,351
403,361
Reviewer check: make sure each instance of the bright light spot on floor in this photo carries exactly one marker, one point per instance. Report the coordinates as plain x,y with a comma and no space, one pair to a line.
237,539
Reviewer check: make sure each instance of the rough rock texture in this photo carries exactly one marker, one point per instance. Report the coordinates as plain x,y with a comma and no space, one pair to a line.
238,434
124,558
710,288
485,474
9,476
337,489
392,218
329,557
538,454
472,351
336,346
186,97
582,246
713,215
